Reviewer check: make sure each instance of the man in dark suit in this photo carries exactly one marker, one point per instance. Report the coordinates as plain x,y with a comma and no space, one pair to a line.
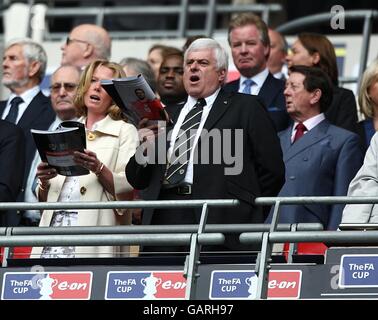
24,66
250,47
12,162
320,159
199,170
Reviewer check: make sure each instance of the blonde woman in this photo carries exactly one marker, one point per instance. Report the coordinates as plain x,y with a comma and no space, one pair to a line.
110,144
368,101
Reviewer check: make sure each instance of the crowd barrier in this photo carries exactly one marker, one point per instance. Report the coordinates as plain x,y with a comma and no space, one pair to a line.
193,235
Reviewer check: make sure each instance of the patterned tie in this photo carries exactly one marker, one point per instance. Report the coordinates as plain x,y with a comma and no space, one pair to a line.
13,112
178,163
248,83
301,128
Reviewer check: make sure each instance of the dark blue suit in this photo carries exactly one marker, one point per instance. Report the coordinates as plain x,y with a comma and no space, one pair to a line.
272,97
321,163
38,115
12,163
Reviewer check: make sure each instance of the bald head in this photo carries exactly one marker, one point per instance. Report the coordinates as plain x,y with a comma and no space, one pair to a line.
64,83
86,43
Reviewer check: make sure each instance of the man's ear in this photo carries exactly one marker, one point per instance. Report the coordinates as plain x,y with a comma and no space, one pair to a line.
222,76
33,68
315,96
88,51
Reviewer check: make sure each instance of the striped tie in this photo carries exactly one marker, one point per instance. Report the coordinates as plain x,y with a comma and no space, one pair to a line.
178,163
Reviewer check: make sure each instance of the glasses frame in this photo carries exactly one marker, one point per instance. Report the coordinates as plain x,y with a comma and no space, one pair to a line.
69,40
68,86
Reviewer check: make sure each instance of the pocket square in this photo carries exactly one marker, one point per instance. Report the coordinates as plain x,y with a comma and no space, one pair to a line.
274,109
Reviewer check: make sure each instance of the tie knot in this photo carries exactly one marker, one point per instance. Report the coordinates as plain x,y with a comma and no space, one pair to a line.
301,127
248,82
16,101
201,102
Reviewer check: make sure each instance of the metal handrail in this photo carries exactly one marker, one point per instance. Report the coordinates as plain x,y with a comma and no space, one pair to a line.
194,239
273,236
138,229
117,204
182,10
335,237
312,200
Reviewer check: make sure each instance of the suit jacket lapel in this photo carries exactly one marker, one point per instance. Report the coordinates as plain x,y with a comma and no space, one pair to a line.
312,137
219,107
268,91
34,108
3,104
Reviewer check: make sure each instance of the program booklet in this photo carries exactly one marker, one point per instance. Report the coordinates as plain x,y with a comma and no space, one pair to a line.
136,99
57,147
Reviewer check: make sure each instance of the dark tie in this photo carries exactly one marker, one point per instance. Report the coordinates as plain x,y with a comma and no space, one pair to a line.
248,83
178,163
301,128
13,112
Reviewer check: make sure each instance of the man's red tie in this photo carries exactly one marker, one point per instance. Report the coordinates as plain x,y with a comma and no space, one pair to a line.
301,128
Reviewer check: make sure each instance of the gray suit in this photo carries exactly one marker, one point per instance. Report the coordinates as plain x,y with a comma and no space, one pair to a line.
364,184
321,163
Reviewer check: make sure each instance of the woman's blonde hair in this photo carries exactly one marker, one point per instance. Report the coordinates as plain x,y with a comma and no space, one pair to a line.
369,77
85,81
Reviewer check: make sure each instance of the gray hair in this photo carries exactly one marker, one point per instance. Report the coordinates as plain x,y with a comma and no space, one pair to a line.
32,51
102,46
220,54
141,66
369,77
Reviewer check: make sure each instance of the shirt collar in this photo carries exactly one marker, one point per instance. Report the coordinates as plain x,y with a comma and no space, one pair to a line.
106,126
26,96
259,78
209,100
312,122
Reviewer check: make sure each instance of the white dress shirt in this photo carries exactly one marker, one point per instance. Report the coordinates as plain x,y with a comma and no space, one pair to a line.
27,97
258,79
309,124
185,110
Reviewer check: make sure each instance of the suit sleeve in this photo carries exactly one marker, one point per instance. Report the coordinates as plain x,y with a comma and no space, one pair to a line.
349,161
128,145
12,159
267,152
364,184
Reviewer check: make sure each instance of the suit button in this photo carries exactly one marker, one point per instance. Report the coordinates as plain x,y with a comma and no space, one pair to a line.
91,136
18,212
22,190
305,159
83,190
292,177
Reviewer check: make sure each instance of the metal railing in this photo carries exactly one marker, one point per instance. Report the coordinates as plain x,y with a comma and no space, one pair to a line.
183,11
193,235
194,239
316,19
267,239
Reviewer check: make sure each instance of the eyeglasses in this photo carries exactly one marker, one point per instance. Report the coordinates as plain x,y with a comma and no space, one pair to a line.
69,40
68,86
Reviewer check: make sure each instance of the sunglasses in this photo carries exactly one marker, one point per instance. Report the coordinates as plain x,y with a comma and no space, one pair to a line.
68,86
69,40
